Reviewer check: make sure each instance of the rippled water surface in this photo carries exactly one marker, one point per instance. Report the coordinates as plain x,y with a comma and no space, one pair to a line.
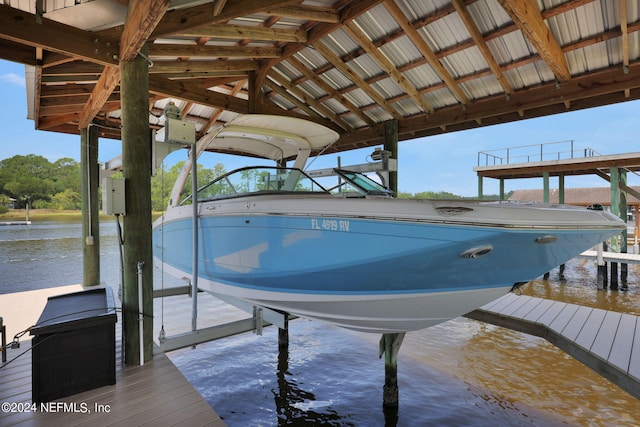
460,373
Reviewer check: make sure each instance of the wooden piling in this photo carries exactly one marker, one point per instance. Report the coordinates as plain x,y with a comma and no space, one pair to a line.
136,160
390,346
614,276
90,219
391,144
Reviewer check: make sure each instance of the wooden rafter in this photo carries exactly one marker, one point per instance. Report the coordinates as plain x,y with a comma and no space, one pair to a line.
20,27
289,96
425,50
357,34
239,32
176,21
218,6
142,18
191,92
526,15
296,63
354,77
232,67
481,44
173,50
624,30
300,94
309,13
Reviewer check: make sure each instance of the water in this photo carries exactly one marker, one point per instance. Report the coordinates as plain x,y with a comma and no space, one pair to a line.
49,253
460,373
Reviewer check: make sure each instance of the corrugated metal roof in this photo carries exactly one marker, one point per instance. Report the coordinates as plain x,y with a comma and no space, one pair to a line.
448,70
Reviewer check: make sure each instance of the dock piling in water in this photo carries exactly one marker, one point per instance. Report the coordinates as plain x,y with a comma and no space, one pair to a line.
389,347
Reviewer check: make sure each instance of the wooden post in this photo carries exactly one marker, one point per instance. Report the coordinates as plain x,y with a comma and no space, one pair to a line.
623,215
636,229
601,274
90,218
615,209
390,346
136,161
545,187
391,144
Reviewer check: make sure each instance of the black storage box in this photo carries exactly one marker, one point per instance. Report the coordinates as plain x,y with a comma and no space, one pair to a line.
73,348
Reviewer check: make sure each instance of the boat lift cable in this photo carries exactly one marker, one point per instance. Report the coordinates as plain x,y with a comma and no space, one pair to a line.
162,335
319,154
121,285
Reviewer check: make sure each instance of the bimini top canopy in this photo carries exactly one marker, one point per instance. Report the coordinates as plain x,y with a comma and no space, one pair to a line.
262,135
272,137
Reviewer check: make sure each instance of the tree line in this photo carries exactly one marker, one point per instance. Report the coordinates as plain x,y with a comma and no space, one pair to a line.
34,181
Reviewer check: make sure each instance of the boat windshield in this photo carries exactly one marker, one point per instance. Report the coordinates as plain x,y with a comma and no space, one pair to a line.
257,180
363,184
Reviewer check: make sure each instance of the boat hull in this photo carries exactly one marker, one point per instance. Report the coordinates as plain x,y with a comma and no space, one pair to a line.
363,273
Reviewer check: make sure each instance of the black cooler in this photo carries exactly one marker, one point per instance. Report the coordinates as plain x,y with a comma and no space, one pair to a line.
73,348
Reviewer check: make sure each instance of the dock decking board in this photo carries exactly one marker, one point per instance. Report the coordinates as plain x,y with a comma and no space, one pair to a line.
606,341
154,394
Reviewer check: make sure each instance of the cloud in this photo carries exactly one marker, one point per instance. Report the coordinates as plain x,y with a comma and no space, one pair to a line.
13,78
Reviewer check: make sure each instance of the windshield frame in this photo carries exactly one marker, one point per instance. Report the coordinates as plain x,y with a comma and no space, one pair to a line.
364,184
287,181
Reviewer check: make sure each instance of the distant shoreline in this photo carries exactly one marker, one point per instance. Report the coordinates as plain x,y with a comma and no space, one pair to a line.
52,214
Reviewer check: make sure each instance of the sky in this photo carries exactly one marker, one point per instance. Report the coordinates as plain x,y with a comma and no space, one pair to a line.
437,163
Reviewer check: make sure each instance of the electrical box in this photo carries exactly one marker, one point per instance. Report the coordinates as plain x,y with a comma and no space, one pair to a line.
113,196
179,132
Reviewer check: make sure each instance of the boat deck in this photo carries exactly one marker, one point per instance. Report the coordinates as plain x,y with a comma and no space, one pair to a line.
606,341
154,394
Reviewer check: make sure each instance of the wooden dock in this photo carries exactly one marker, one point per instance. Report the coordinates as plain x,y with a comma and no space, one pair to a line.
154,394
606,341
623,258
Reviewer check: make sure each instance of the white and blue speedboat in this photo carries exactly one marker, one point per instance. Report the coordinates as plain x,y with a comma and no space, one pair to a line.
360,259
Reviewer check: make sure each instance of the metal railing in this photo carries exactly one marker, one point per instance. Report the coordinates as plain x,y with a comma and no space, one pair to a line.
534,153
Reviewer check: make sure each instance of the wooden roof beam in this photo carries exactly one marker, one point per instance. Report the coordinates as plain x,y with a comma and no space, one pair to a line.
194,93
354,77
230,67
142,18
304,12
481,44
285,93
239,32
214,117
358,35
174,50
300,94
178,20
296,63
20,27
425,50
526,15
625,40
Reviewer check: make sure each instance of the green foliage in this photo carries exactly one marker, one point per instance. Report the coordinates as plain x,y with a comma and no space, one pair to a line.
162,183
428,195
32,179
65,200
